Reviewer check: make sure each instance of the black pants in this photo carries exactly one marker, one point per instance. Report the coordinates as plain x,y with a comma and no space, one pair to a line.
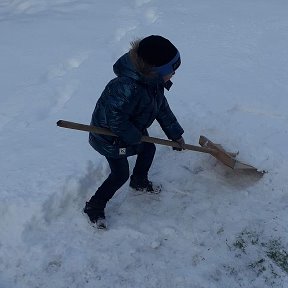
120,174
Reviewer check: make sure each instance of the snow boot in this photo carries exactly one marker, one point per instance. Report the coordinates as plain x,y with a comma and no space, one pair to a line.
96,215
140,184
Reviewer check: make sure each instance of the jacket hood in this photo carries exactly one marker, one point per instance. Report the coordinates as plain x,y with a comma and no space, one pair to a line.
124,67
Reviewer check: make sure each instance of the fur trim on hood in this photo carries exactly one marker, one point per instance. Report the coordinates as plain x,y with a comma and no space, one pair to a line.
142,67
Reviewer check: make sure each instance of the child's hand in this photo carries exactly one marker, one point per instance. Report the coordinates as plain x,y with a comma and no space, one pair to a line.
181,142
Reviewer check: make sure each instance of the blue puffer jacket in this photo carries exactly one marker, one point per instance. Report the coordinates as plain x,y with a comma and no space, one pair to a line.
128,106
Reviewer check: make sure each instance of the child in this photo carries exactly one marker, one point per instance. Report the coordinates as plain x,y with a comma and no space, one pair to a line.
128,106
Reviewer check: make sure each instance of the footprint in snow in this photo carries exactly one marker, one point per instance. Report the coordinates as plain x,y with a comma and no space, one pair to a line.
61,69
144,15
65,89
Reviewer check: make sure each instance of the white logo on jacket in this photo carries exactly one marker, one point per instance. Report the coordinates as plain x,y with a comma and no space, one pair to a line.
122,151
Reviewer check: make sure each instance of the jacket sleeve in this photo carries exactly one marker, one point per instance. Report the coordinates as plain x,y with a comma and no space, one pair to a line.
119,110
168,122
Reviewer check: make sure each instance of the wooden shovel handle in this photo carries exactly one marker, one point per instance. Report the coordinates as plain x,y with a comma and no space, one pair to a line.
105,131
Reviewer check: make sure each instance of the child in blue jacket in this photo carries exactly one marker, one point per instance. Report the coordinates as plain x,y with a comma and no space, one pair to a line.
128,106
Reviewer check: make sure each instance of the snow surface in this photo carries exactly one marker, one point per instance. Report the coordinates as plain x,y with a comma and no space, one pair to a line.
211,226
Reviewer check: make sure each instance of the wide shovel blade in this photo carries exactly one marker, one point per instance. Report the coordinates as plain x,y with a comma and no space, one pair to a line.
227,158
207,146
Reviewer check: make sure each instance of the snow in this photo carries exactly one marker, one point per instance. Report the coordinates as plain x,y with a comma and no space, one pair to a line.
211,226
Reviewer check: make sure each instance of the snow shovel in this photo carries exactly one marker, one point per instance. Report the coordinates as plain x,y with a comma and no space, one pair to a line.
207,146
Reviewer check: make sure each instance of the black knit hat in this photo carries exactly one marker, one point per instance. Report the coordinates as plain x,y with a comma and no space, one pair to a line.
160,53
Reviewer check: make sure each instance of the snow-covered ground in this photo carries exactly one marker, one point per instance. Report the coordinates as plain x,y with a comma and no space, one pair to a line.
211,226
